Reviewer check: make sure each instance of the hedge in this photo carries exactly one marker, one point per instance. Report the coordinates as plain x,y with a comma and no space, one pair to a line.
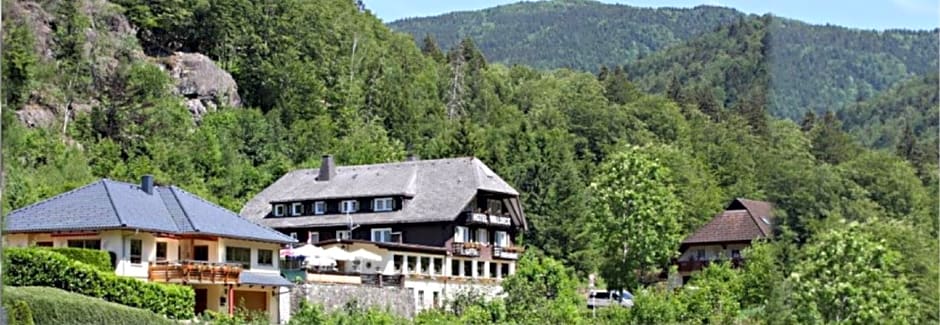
18,312
41,267
53,306
98,258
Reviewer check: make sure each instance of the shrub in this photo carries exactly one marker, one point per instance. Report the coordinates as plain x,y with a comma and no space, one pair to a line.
18,313
94,257
41,267
54,306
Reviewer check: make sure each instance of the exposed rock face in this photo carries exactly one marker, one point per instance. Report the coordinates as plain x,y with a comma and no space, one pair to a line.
38,21
204,85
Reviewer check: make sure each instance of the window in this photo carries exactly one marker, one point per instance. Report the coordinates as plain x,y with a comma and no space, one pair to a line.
412,262
421,298
382,235
437,299
735,253
161,251
278,210
425,264
349,206
319,207
481,269
493,267
502,239
461,234
136,250
494,206
467,268
85,243
438,264
397,262
383,204
313,237
44,244
343,234
265,257
504,268
238,255
483,236
296,209
293,235
454,268
700,254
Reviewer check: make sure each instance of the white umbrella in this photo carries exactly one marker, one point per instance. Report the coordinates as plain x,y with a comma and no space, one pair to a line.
319,261
338,254
365,255
309,251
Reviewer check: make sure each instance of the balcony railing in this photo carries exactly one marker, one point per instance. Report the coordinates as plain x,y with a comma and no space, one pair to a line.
186,271
691,266
466,249
509,253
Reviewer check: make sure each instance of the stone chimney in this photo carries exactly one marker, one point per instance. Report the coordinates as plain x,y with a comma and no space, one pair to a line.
327,169
146,184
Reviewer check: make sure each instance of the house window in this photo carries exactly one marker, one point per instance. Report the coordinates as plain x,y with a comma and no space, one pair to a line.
343,234
502,239
396,262
313,237
461,234
454,268
438,265
85,243
504,268
494,206
278,210
296,209
383,204
161,251
481,269
421,298
241,255
265,257
349,206
483,236
437,299
412,262
425,263
293,235
382,235
467,268
735,253
44,244
700,254
137,247
319,207
493,267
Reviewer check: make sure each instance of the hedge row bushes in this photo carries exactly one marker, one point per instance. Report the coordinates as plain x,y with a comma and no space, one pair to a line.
40,267
56,307
94,257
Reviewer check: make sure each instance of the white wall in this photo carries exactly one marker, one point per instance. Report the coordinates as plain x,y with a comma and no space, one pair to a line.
254,246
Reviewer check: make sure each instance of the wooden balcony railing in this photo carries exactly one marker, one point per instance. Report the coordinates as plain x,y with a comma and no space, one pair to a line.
466,249
186,271
509,253
691,266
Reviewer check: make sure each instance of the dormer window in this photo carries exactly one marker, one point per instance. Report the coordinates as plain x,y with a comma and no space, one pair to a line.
296,209
278,210
319,207
349,206
382,204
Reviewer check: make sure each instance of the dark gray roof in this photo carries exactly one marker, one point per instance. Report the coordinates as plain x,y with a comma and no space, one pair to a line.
440,189
265,279
108,204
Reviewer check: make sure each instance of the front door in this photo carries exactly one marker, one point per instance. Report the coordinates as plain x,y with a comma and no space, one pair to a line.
201,253
202,296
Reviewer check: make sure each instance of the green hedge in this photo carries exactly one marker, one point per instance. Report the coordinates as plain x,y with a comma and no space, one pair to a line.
40,267
54,306
94,257
18,312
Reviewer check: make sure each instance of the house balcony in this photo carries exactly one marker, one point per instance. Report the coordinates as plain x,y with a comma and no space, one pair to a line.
500,220
466,249
692,266
477,218
185,271
509,253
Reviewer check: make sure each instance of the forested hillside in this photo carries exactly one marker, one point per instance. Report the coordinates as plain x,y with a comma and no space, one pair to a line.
578,34
583,149
812,68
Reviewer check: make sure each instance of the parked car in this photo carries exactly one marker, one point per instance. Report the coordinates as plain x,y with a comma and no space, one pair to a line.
604,298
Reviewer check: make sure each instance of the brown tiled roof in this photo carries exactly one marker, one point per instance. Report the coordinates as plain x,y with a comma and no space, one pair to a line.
743,220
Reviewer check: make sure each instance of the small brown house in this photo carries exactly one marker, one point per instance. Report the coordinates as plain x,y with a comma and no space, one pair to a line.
726,235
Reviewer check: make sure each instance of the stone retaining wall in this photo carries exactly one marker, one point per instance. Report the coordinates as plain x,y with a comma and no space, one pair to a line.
335,296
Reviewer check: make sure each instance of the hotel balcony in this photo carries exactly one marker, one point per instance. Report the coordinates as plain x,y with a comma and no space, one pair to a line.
466,249
480,218
509,253
199,272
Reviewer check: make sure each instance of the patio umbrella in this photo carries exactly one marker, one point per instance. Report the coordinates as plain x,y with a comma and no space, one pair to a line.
338,254
309,251
365,255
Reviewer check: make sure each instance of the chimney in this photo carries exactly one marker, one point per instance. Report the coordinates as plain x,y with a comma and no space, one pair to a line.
146,184
327,169
413,157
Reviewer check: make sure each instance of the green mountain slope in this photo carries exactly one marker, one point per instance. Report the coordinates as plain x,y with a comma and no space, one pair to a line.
811,67
576,34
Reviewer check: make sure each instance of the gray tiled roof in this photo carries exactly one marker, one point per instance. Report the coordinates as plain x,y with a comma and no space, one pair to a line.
440,189
265,279
108,204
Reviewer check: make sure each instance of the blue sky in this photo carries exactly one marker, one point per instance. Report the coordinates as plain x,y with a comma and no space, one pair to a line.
873,14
